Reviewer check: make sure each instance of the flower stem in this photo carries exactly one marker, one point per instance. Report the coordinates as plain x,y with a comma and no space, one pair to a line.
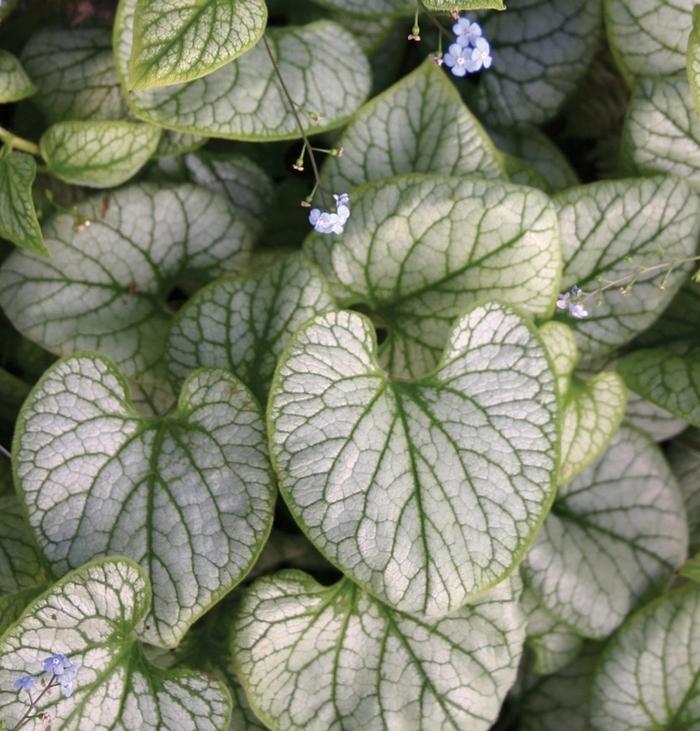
18,143
5,452
631,277
435,21
33,703
293,107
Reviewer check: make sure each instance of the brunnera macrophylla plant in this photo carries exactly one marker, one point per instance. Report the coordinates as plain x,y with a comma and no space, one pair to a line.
350,365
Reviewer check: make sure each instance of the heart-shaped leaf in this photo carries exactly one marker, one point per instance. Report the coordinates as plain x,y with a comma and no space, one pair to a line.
424,492
541,50
667,377
243,100
14,82
403,131
18,221
315,657
418,250
662,129
176,41
98,154
189,496
90,616
649,38
610,232
106,286
74,72
615,532
647,677
244,324
683,455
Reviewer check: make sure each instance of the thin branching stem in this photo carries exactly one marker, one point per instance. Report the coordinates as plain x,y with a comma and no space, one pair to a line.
293,107
33,703
436,22
631,277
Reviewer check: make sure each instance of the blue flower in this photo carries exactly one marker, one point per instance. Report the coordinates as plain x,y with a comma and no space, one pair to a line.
66,680
327,222
572,302
457,58
57,664
466,32
26,682
480,56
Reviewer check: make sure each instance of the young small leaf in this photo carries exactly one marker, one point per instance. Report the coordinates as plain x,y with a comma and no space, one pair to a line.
541,50
403,130
14,82
602,549
98,154
662,129
18,221
244,324
113,268
90,616
74,72
418,250
188,496
647,677
424,492
243,100
649,38
609,231
592,409
314,657
180,40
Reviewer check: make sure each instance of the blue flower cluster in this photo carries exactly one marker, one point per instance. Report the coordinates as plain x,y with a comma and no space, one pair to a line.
572,301
61,671
327,222
471,52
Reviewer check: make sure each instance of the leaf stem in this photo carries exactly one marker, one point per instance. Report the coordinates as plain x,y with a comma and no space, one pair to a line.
435,21
18,143
632,276
293,107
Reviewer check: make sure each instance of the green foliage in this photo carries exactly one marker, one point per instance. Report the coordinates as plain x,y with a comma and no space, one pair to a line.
364,391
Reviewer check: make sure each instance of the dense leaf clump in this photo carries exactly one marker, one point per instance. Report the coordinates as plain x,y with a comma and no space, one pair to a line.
350,365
